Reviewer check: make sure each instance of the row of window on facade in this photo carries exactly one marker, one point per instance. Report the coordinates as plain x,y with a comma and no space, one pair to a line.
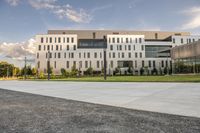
57,40
87,55
57,47
126,47
189,40
99,64
124,40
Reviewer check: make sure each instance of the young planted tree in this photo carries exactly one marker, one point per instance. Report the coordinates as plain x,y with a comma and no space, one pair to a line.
74,71
63,72
89,71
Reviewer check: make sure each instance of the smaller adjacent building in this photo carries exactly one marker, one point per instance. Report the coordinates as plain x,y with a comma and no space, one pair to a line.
186,58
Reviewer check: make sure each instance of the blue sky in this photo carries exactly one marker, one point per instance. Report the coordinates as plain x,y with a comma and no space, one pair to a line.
21,20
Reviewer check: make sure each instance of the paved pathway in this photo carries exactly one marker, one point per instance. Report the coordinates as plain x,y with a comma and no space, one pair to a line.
172,98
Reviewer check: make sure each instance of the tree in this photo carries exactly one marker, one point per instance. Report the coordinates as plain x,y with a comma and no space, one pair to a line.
154,71
141,71
34,71
74,71
6,69
63,72
89,71
41,75
130,70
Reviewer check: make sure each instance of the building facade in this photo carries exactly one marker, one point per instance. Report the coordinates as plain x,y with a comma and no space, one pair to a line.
124,50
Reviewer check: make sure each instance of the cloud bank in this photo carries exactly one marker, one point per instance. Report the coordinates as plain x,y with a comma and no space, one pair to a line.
17,51
194,21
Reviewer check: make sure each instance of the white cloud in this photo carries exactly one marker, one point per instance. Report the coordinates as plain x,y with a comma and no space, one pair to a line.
194,21
17,51
64,11
13,2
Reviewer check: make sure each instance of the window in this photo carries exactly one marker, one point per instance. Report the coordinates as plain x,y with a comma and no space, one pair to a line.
57,47
72,55
59,40
135,64
120,47
54,64
135,40
50,39
65,55
117,40
44,47
113,55
162,63
122,40
174,40
60,47
48,47
74,47
67,64
113,40
67,47
94,35
88,55
125,47
46,55
58,55
55,39
86,64
74,64
63,39
166,63
52,47
156,35
129,47
143,63
100,55
182,40
79,55
72,40
140,55
126,40
136,55
95,55
84,55
154,64
39,47
46,39
129,55
149,63
54,55
67,39
140,40
98,64
133,47
37,55
142,47
118,55
109,55
42,40
111,47
122,55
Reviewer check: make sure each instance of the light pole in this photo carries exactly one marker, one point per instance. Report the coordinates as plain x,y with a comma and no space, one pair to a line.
48,64
105,62
25,60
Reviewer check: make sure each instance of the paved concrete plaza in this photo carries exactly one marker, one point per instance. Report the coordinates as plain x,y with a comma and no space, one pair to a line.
172,98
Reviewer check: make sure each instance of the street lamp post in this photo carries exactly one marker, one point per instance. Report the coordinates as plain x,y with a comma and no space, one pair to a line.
25,60
105,62
48,65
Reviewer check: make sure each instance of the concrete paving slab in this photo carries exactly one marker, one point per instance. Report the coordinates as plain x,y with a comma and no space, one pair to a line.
172,98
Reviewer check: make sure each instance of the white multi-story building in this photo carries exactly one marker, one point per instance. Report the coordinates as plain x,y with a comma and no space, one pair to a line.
124,49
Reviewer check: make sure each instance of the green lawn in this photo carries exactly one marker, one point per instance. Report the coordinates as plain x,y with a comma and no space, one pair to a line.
180,78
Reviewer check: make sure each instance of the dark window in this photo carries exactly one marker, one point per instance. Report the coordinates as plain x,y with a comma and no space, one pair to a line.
42,39
113,55
58,55
162,63
67,47
113,40
136,55
52,47
111,47
174,40
54,64
72,55
44,47
142,47
154,64
60,47
59,40
54,55
117,40
88,55
48,47
142,63
126,40
37,55
181,40
140,55
50,40
95,55
55,39
122,55
156,35
135,40
65,55
46,39
63,39
149,63
94,35
74,47
67,64
129,55
68,40
140,40
86,64
129,47
72,40
56,47
39,47
98,64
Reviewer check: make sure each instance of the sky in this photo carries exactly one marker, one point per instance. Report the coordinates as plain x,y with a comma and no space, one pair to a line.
21,20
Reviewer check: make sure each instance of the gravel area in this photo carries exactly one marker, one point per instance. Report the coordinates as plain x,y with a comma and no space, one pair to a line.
29,113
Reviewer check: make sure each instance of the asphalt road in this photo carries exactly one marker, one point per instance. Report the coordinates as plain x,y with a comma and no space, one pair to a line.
22,112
